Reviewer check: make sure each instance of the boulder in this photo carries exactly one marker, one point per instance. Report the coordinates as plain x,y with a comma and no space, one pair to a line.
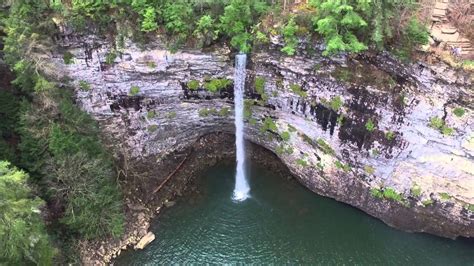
146,239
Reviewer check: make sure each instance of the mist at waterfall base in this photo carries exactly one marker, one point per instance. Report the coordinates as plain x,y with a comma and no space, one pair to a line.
282,223
242,189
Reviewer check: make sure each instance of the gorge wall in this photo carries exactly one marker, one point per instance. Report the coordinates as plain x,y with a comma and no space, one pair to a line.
353,129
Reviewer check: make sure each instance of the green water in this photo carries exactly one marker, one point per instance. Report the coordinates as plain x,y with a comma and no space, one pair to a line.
283,223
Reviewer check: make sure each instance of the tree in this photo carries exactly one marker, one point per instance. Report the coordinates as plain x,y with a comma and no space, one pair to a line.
238,17
23,238
339,22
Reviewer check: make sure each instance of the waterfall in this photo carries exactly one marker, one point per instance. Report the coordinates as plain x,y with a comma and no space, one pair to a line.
242,189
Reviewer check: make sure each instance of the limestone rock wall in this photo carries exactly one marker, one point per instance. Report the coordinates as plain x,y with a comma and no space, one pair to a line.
331,149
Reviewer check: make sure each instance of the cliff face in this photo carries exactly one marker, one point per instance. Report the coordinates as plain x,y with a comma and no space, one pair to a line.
353,129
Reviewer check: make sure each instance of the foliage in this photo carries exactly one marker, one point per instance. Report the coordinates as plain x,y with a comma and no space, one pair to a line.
134,90
239,16
336,103
338,23
110,57
470,207
268,125
377,193
193,85
149,19
151,114
416,191
301,162
369,169
416,33
440,125
260,85
325,147
215,85
344,167
459,112
248,108
23,237
427,202
60,146
291,42
297,89
285,135
206,31
177,15
68,58
445,196
370,126
84,85
391,194
389,135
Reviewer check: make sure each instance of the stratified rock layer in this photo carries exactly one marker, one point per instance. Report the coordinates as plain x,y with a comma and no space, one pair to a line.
357,127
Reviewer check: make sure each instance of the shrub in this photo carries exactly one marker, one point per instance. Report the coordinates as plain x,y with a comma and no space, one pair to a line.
70,160
193,85
344,167
288,32
149,20
369,169
427,203
370,126
377,193
389,135
391,194
459,112
110,57
416,33
415,191
285,135
225,111
445,196
297,89
470,207
134,90
151,114
84,85
340,119
23,237
436,122
325,147
260,85
206,31
268,125
440,125
336,103
301,162
68,58
216,85
177,15
338,23
151,64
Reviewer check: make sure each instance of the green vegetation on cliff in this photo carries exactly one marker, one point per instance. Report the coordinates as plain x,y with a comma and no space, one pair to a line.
23,237
345,26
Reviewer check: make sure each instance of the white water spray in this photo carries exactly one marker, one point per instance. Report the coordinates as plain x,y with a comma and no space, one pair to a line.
242,189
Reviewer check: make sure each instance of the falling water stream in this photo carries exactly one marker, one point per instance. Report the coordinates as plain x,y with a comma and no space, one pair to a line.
242,189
